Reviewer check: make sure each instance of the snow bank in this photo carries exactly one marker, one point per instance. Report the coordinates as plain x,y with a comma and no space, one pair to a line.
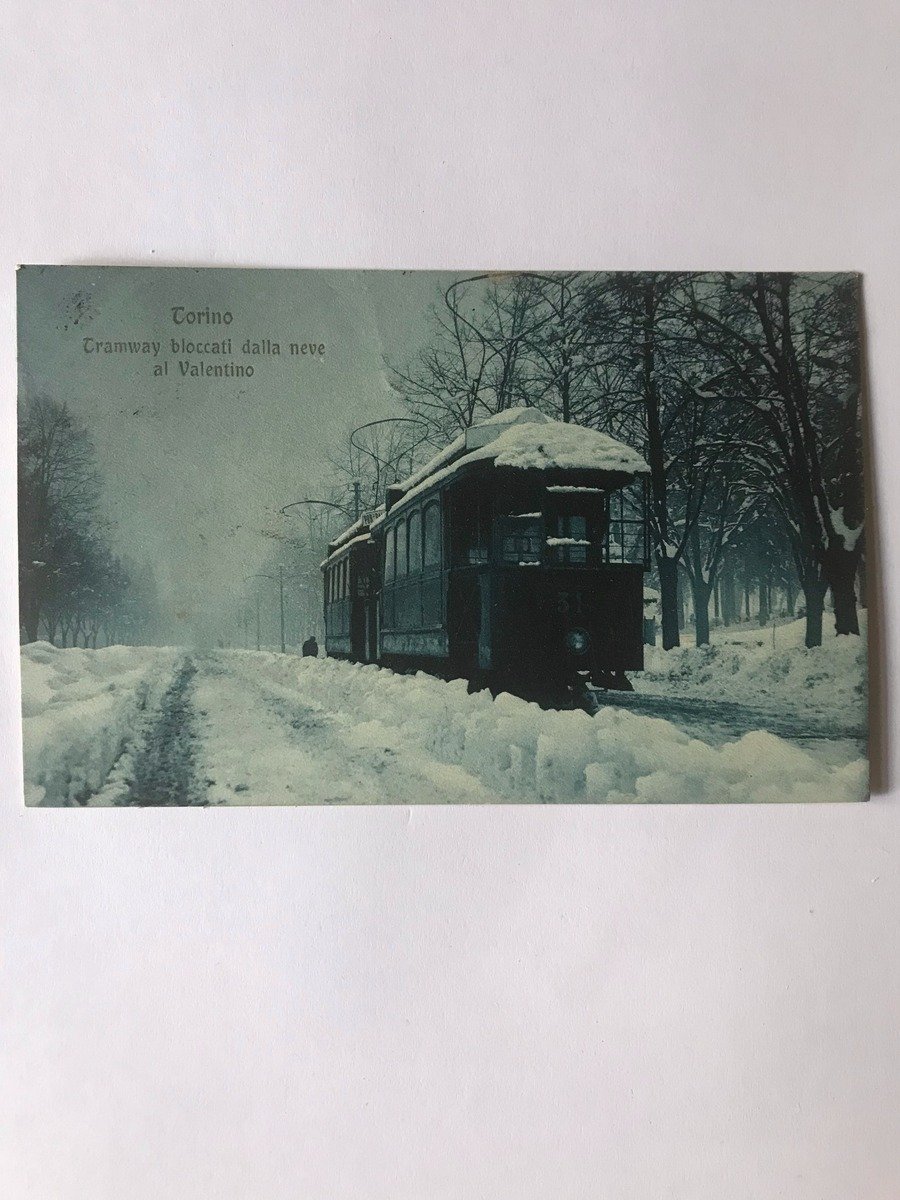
79,708
523,753
744,666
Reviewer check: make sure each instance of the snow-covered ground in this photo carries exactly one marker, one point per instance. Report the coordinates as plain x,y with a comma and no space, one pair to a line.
132,726
80,710
766,668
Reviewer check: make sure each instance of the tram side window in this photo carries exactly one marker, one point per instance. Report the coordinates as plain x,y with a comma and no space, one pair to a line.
401,549
415,542
570,542
389,543
626,538
520,538
470,529
343,579
432,539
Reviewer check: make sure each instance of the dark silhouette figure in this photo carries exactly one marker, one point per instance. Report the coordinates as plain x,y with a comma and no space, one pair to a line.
310,648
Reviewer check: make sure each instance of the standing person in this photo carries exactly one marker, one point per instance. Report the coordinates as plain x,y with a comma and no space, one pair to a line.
310,648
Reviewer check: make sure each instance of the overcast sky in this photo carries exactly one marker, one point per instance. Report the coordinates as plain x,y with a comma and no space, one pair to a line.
194,469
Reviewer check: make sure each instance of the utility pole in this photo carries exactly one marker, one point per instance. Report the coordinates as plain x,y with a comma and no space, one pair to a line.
257,618
356,499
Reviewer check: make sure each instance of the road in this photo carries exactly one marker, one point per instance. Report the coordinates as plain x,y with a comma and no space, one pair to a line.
223,735
243,728
719,721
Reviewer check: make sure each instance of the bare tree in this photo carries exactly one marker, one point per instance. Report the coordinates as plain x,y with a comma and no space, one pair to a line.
58,496
788,353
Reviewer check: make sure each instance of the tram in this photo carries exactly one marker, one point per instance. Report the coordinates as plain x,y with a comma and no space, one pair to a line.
514,558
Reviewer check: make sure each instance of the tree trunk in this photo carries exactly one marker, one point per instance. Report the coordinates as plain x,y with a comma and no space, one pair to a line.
31,614
747,601
839,568
668,588
814,590
668,566
843,595
701,591
763,601
790,596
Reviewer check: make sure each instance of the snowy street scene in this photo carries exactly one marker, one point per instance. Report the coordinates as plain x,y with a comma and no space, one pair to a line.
154,726
324,538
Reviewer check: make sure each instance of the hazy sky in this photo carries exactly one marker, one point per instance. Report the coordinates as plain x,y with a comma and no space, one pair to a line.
195,468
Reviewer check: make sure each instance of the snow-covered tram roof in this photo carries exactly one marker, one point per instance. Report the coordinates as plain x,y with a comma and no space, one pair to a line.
357,532
524,439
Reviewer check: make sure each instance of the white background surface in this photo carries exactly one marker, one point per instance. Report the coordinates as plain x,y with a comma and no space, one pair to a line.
497,1003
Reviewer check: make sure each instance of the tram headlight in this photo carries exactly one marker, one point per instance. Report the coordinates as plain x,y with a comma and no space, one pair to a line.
577,641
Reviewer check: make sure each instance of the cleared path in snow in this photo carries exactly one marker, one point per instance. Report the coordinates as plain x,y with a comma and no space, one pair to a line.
163,761
719,721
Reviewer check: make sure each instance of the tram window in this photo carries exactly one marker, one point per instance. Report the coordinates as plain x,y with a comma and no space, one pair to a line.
572,531
401,549
415,542
433,534
344,565
520,538
626,534
470,519
389,542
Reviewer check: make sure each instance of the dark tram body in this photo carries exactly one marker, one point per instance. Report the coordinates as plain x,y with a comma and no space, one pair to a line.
524,578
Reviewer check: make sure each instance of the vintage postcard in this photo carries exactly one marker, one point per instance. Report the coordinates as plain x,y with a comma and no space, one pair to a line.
358,537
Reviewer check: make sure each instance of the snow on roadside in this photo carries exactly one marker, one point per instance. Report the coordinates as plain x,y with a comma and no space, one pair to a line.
79,710
744,666
525,754
260,743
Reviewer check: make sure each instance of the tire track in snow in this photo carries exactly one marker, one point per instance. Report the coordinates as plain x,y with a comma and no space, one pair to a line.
163,771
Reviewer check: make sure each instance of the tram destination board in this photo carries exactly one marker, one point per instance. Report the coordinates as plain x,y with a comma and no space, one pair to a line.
393,537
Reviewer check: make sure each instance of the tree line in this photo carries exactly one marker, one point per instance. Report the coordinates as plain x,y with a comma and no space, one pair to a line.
741,390
73,588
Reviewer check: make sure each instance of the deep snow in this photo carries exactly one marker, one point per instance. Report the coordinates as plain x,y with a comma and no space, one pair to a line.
765,668
255,728
80,711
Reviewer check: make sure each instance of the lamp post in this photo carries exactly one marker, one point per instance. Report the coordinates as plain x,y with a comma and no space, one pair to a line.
279,579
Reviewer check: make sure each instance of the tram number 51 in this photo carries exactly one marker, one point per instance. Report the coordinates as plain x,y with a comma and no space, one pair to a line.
569,604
